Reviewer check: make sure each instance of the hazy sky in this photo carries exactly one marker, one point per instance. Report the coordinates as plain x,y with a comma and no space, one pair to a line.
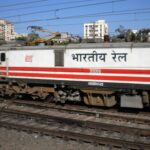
70,15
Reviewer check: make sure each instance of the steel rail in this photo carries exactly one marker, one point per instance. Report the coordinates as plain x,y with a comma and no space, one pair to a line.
102,141
84,122
98,114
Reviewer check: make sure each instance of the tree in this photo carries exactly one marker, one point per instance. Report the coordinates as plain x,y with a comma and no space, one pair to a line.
129,36
143,35
121,32
22,38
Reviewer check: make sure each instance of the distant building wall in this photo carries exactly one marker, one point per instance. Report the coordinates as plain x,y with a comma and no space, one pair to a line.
6,30
95,30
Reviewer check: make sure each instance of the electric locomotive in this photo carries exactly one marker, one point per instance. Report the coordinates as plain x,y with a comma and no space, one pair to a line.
99,74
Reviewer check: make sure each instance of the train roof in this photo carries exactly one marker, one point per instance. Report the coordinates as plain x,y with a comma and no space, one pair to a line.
77,46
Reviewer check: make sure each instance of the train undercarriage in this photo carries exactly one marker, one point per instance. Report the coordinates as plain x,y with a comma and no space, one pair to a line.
90,96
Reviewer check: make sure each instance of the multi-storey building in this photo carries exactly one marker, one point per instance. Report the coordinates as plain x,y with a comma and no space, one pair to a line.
95,30
6,30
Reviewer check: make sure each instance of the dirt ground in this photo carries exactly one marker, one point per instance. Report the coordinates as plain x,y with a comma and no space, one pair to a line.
19,140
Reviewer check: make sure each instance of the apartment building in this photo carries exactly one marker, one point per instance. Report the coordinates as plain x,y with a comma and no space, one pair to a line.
6,30
95,30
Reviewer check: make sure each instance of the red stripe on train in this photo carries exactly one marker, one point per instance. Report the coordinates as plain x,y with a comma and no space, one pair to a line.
125,71
78,70
86,77
84,70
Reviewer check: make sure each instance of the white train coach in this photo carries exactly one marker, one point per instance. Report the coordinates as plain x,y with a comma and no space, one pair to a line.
103,74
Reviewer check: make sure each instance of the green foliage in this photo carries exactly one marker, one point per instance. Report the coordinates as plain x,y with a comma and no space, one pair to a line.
121,32
62,43
143,35
127,35
22,38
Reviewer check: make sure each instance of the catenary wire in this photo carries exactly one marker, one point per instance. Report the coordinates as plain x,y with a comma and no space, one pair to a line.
47,5
63,8
23,3
81,23
114,13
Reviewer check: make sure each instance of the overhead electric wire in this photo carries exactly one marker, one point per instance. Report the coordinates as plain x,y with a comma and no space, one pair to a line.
114,13
129,20
63,8
100,14
46,5
81,23
23,3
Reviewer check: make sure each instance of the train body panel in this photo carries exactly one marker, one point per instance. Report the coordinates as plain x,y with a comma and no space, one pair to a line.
31,58
97,65
108,58
124,67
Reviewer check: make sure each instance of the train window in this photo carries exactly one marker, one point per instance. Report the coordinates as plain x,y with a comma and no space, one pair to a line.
3,56
59,58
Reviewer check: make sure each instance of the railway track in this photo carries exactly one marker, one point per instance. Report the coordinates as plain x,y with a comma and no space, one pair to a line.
138,118
74,126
